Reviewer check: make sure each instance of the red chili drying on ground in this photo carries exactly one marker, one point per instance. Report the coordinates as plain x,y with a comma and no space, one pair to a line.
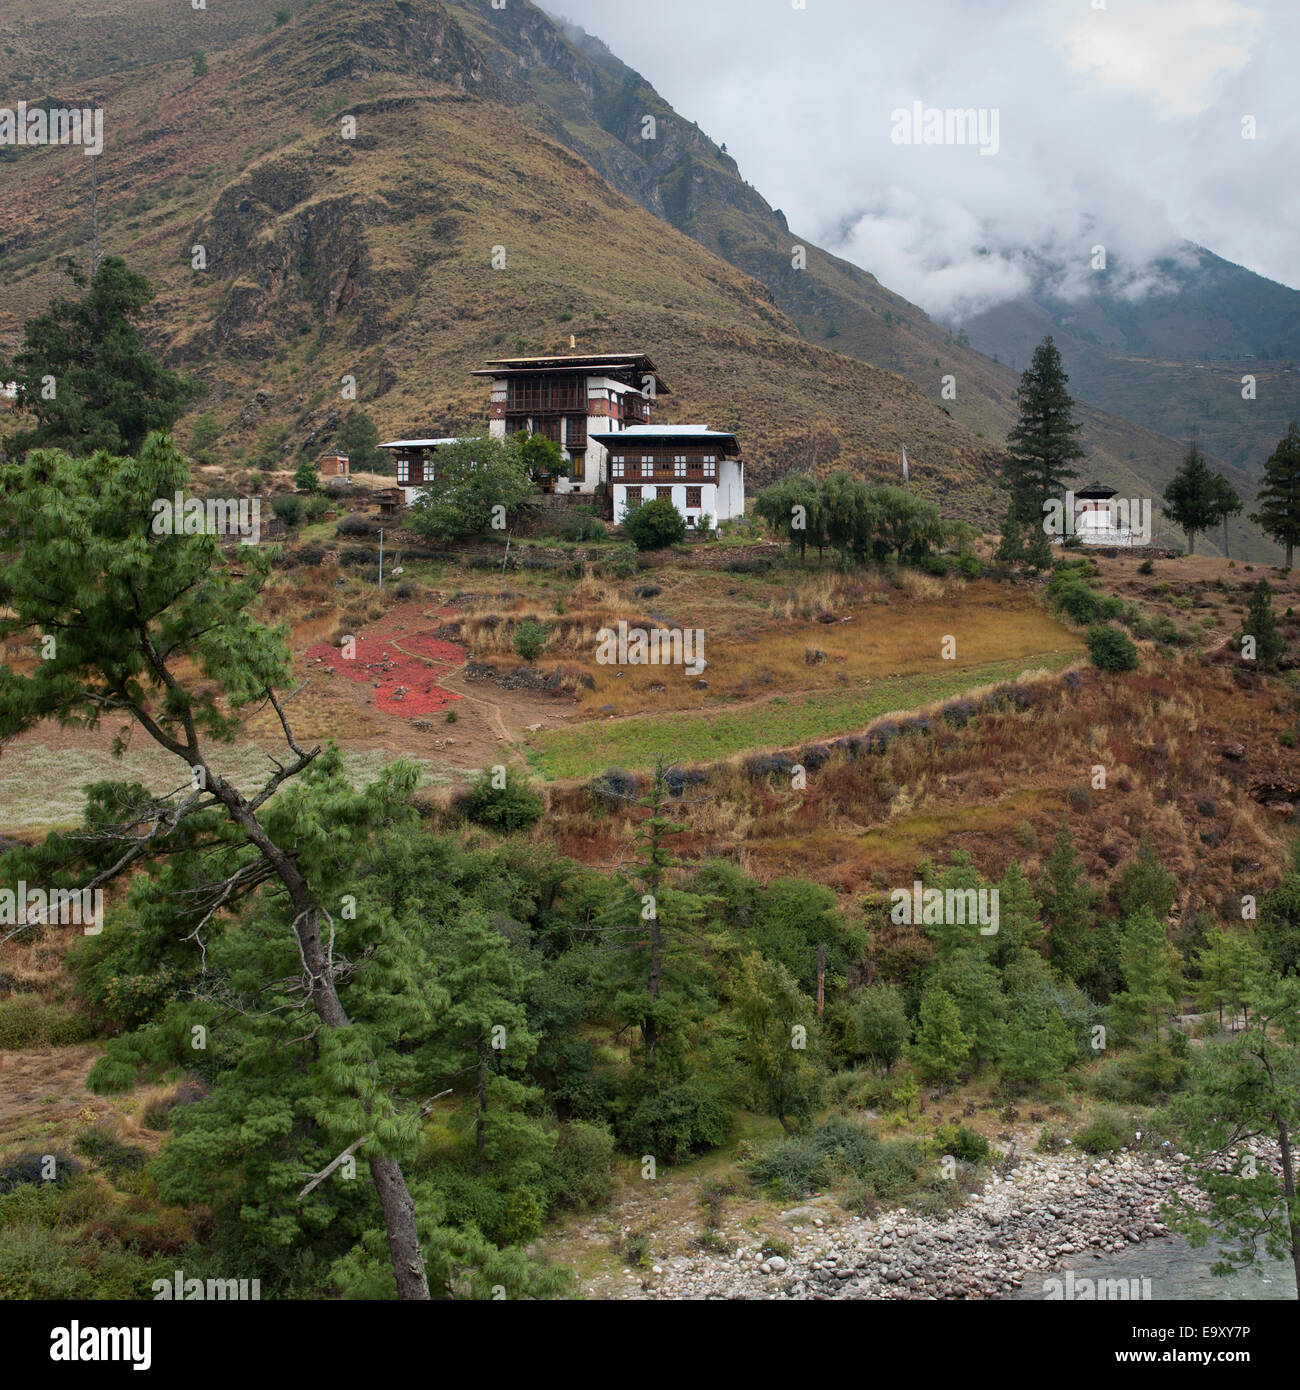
404,664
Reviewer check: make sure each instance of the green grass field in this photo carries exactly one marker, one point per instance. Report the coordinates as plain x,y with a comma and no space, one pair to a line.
585,749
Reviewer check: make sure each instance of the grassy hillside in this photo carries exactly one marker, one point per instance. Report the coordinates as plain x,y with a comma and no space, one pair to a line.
371,257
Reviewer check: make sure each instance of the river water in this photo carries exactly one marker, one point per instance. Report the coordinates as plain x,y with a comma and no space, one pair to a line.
1175,1271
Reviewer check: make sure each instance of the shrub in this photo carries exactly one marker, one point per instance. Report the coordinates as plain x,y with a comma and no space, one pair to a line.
961,1143
511,806
289,509
578,1172
31,1167
837,1150
530,638
969,566
620,561
933,564
613,789
675,1121
578,526
1105,1134
1111,649
655,525
27,1021
1079,602
306,479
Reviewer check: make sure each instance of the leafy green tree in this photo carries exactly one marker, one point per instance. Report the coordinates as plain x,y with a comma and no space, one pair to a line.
200,62
542,457
1230,967
1279,493
1278,934
792,507
1037,1045
776,1028
1042,444
306,479
1020,928
905,523
288,508
1262,626
484,1026
1193,497
655,525
157,629
203,436
1238,1091
878,1026
473,479
941,1046
1150,969
84,374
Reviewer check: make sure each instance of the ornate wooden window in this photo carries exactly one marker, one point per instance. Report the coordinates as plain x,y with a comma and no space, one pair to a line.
679,466
619,464
693,496
634,494
710,465
647,466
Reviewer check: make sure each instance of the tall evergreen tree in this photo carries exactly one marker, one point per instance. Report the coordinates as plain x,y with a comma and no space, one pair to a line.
84,374
1279,494
1193,498
1262,626
1042,444
157,629
1151,979
1236,1092
1067,901
1227,503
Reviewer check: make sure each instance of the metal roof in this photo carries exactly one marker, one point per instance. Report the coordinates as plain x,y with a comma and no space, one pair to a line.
417,443
645,433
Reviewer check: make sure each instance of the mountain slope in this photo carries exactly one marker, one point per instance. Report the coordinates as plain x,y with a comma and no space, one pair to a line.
179,145
569,85
372,257
1173,359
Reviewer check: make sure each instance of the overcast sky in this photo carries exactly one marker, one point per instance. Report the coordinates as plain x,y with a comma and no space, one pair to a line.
1120,126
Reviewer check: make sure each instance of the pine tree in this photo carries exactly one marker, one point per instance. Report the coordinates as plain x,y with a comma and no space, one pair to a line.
1193,498
1067,901
1279,493
1042,445
941,1047
1227,503
158,630
1262,626
110,390
1151,978
1234,1092
1011,549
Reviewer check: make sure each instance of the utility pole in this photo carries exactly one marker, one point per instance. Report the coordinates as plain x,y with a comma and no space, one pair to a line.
381,557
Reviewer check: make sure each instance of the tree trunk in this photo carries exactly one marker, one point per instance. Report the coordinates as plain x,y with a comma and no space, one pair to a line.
480,1130
1288,554
390,1184
1288,1186
1226,556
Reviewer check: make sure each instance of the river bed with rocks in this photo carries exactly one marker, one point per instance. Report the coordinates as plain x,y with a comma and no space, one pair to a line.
1044,1226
